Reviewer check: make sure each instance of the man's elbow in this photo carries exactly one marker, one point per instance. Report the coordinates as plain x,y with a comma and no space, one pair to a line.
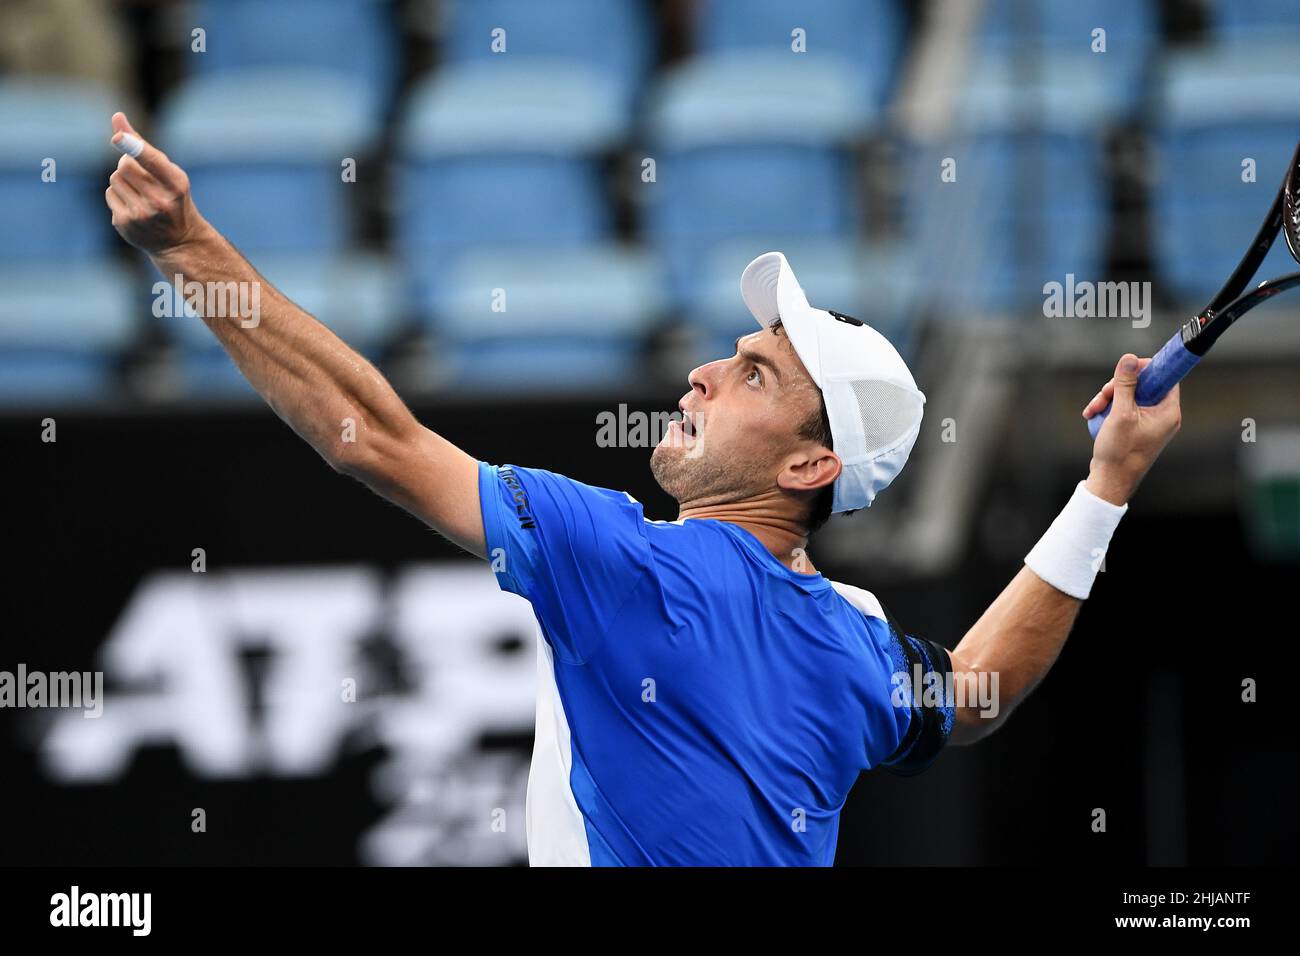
367,455
980,705
347,459
972,724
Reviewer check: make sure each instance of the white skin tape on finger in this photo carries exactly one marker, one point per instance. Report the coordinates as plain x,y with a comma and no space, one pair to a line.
133,146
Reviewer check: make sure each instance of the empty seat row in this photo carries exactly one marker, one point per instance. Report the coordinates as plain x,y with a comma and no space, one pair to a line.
506,319
612,42
491,154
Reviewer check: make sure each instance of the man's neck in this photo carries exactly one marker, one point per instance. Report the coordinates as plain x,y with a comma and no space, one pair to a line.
769,521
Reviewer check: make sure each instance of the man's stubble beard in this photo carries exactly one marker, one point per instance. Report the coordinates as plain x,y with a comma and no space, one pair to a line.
695,477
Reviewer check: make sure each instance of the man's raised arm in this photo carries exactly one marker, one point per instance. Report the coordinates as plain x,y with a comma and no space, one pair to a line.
324,391
1023,631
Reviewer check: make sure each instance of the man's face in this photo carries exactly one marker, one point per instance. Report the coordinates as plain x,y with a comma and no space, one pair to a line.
744,415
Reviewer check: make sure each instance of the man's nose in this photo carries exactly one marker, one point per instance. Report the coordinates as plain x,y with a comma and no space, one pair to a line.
702,378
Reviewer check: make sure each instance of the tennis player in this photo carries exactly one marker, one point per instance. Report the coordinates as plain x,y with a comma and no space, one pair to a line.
705,696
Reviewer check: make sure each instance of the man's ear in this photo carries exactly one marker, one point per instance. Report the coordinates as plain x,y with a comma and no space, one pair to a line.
810,470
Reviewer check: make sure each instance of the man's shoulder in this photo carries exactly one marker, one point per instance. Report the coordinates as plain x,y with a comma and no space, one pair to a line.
863,600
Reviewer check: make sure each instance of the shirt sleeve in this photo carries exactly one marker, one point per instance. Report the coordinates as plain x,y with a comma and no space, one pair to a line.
575,552
932,712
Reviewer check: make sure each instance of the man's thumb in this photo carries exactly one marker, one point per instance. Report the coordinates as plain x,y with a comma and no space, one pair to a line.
1126,376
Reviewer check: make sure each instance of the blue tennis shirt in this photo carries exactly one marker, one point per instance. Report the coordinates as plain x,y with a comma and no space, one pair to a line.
699,703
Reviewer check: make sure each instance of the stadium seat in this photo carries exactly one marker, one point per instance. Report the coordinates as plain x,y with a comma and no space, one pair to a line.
1064,25
62,329
1259,21
612,39
1047,41
867,35
547,319
494,153
54,166
750,145
264,153
1075,93
1025,209
1220,110
1030,202
355,38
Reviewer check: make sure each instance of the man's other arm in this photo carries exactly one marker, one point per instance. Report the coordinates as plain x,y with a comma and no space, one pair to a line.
1021,634
320,387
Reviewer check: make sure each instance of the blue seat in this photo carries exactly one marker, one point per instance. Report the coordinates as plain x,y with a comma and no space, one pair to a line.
865,34
499,152
356,38
612,39
1029,202
1064,25
1203,225
1232,21
1025,209
359,296
62,329
264,153
49,121
1056,39
1207,88
1220,108
1076,92
31,376
548,367
748,146
547,319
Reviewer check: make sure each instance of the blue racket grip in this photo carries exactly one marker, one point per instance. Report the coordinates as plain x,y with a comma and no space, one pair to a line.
1166,370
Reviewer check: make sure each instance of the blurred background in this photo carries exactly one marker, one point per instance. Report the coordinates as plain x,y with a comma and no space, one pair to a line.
604,169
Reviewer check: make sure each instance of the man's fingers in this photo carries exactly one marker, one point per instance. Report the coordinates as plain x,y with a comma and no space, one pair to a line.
131,199
147,156
142,181
133,172
122,124
115,204
127,141
1100,400
1107,394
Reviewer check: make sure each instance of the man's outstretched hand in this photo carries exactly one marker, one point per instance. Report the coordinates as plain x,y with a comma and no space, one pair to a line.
1132,436
150,195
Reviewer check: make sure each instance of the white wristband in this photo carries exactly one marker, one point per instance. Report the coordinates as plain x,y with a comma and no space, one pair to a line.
1069,555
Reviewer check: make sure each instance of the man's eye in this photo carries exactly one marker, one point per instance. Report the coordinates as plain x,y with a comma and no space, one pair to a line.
754,378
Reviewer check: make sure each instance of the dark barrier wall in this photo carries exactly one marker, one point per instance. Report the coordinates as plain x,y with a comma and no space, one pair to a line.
1142,718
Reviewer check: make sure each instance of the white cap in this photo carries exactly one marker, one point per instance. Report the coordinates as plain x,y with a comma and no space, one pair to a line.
871,399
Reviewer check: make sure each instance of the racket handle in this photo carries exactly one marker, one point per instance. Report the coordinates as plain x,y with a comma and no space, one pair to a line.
1166,370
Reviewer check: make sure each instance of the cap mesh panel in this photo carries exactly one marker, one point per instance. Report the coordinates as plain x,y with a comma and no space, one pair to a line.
888,412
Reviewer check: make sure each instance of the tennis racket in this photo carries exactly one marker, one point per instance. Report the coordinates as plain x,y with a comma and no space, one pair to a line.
1180,354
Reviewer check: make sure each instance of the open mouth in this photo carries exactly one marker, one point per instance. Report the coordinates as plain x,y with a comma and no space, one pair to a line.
685,429
688,425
